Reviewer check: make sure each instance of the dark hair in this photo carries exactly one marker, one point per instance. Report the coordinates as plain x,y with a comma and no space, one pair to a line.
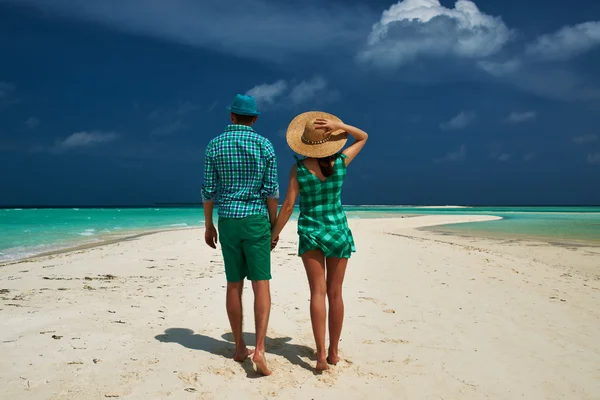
325,163
243,119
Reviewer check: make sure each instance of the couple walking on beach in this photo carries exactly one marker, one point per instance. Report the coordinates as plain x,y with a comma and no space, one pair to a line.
240,174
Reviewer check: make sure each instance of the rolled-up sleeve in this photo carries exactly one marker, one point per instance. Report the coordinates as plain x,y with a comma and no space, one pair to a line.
270,188
211,177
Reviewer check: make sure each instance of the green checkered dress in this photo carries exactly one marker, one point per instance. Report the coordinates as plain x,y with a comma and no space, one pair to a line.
322,224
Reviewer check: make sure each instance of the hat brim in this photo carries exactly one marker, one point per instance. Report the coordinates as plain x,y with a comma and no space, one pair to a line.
244,112
295,131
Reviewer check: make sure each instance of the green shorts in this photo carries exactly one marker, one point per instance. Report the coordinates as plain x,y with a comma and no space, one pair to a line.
246,247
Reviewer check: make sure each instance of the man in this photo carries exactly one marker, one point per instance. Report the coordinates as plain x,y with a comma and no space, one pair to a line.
241,172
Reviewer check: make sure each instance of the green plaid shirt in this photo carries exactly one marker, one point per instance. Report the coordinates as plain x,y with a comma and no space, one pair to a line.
240,171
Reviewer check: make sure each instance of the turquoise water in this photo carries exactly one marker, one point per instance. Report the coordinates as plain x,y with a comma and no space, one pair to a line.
33,231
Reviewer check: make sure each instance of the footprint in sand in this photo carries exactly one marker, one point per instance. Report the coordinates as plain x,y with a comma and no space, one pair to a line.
190,379
399,341
369,299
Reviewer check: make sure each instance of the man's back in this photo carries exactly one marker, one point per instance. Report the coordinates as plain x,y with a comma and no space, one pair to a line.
241,171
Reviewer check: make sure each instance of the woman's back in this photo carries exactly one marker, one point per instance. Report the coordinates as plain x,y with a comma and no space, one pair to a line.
320,197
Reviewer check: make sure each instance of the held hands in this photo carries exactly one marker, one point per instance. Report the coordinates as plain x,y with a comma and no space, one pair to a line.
274,242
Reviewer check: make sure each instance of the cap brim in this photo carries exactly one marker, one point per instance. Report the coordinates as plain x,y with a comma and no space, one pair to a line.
243,112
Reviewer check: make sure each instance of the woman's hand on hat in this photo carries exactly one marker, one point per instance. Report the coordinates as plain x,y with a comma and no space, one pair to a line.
327,125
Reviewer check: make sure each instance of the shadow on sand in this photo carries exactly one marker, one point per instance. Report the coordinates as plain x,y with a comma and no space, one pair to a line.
226,348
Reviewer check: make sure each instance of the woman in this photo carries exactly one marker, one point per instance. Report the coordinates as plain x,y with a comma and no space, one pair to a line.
325,241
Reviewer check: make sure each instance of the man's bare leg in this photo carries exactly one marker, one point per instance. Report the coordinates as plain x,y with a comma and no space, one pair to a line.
336,270
262,311
235,314
314,263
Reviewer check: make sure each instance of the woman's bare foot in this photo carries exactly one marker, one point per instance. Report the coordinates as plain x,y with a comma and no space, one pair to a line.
322,366
321,363
261,363
241,355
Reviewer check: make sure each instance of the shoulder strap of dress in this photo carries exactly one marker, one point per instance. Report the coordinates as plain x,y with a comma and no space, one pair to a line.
342,155
299,161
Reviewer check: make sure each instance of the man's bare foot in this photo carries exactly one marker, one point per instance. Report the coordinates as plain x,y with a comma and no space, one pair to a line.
333,358
241,355
261,363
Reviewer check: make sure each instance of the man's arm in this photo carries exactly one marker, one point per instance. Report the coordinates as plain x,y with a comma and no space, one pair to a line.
209,195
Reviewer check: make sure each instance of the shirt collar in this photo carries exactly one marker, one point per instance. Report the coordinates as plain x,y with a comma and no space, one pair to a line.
239,128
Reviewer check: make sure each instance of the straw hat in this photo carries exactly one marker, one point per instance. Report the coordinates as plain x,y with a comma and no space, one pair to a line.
304,139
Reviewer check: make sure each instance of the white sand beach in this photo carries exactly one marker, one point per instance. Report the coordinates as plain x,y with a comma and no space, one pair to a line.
428,316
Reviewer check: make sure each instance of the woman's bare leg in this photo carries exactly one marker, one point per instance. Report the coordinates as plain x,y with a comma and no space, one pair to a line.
336,270
314,263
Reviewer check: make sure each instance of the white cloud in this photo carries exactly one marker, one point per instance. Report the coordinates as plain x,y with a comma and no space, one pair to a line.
267,93
413,29
32,123
284,93
461,121
501,68
307,90
594,158
585,139
458,155
521,117
566,43
86,139
269,30
535,68
548,81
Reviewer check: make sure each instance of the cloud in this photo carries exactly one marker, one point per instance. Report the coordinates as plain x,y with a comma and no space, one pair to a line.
170,120
585,139
500,68
504,157
594,158
32,123
168,129
212,107
307,90
6,89
413,29
283,93
536,68
544,80
528,157
459,155
566,43
267,93
86,139
180,110
461,121
521,117
268,30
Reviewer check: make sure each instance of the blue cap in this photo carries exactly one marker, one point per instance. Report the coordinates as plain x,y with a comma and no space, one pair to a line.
244,105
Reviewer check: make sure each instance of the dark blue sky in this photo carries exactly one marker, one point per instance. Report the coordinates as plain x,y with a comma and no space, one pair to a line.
112,102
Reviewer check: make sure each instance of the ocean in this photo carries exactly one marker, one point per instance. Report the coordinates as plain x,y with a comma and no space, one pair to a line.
27,232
